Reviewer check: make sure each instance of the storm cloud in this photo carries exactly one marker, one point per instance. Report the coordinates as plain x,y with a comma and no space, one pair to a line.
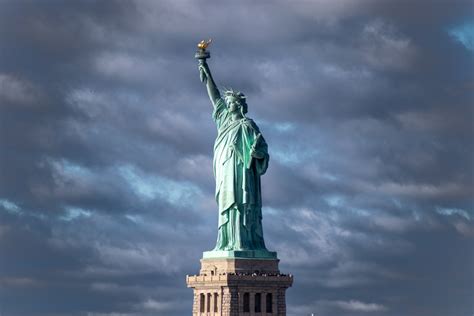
106,185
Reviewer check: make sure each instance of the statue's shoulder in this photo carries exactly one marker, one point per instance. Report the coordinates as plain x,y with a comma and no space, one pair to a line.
251,124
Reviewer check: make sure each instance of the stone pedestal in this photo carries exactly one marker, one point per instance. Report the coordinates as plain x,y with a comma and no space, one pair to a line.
239,286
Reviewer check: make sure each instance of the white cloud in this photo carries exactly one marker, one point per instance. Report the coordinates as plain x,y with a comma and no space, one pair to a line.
128,67
73,213
17,91
448,190
395,223
135,257
464,228
334,307
113,314
70,179
10,206
358,306
147,187
90,102
157,306
19,282
328,12
383,47
453,211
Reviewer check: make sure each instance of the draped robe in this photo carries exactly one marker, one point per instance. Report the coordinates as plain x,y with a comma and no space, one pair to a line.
237,174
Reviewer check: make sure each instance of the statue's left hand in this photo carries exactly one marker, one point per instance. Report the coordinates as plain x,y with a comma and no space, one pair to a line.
253,150
256,154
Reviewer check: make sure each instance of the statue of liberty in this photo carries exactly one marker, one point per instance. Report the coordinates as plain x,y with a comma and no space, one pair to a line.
240,158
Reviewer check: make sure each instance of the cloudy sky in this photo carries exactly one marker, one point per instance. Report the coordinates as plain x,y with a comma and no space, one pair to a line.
106,186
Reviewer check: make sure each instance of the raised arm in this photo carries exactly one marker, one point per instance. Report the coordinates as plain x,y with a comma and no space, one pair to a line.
206,77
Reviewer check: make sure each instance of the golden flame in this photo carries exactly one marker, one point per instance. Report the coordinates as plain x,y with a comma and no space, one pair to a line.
203,45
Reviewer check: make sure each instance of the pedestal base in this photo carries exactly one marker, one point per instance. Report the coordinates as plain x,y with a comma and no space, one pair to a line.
249,254
234,287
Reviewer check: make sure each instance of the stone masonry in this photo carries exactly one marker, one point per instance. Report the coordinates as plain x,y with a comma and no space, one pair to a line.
239,287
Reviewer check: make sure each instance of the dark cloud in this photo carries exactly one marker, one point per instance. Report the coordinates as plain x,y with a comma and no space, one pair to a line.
107,193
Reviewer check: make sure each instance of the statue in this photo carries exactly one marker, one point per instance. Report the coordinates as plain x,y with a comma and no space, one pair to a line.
240,158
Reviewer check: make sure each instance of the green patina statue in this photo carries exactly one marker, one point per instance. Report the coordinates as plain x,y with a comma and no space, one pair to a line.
240,158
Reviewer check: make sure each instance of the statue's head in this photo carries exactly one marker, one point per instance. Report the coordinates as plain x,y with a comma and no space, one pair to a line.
235,100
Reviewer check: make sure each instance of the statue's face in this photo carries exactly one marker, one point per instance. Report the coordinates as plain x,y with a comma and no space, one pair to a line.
233,104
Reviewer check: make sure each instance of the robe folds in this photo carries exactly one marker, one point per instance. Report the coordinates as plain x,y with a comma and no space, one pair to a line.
237,174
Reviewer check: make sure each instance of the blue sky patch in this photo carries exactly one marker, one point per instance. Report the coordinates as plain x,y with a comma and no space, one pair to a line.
464,34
